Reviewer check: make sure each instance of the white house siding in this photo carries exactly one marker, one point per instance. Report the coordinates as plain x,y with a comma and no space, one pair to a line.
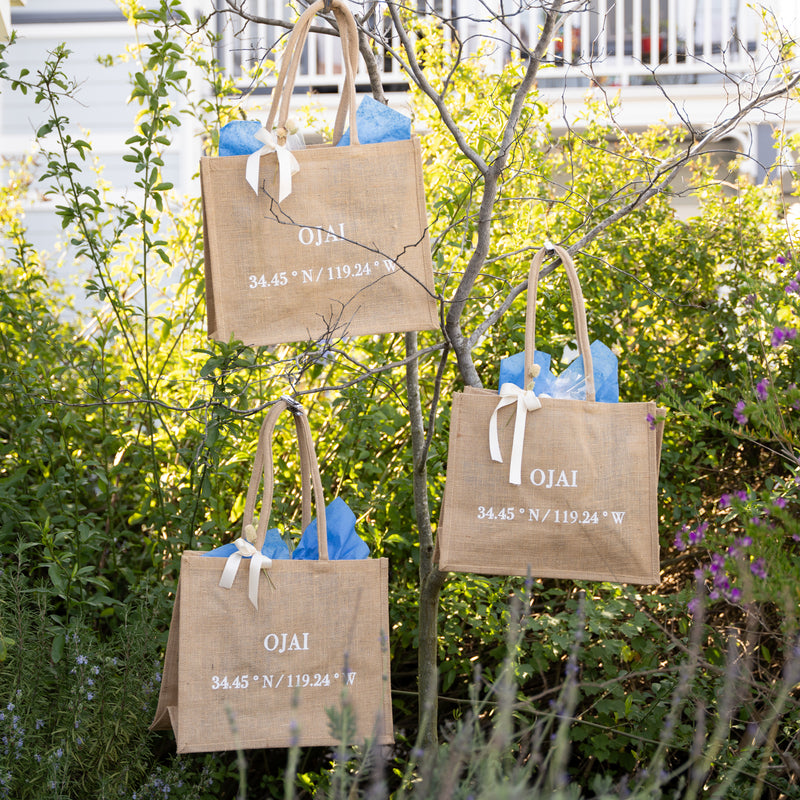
97,28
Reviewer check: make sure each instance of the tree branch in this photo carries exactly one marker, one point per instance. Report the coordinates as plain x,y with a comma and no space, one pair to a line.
421,80
455,335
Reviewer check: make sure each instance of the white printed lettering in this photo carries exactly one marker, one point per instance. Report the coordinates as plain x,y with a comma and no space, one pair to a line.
540,477
274,641
308,236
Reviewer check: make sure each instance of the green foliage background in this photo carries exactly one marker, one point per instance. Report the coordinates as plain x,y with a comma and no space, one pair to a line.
127,437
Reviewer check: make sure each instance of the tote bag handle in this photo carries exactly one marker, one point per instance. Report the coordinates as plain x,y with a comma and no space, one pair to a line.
282,93
578,314
263,468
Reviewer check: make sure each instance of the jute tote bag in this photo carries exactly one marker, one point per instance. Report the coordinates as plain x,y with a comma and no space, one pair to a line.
245,674
548,487
334,242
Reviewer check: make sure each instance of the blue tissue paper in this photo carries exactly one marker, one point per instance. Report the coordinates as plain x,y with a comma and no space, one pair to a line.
343,541
274,547
378,123
570,383
238,138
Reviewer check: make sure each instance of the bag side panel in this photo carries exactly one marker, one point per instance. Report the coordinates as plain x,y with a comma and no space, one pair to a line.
170,677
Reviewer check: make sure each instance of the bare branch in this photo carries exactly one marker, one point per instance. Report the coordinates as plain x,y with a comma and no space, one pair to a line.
453,330
421,80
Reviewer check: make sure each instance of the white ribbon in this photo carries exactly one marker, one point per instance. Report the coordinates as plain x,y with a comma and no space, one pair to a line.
287,163
245,549
526,401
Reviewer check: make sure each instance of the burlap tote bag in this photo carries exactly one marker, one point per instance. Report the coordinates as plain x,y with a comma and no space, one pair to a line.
259,664
334,241
571,491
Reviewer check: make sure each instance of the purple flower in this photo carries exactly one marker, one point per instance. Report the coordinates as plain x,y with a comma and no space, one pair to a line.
758,568
781,259
761,389
722,583
780,502
725,499
698,533
793,287
738,413
741,494
651,421
736,595
781,335
679,543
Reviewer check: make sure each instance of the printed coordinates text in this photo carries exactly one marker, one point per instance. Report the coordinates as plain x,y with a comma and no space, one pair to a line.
287,680
556,515
337,272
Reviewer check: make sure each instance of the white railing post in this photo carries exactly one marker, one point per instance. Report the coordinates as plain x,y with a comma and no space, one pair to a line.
619,39
636,32
708,49
672,33
690,27
602,34
586,35
655,32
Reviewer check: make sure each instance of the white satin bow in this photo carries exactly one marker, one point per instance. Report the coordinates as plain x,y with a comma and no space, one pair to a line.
526,401
287,163
245,549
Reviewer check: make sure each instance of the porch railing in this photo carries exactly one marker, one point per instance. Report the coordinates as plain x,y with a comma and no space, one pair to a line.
611,41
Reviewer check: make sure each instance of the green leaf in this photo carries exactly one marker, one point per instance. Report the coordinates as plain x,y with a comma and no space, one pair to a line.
57,648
